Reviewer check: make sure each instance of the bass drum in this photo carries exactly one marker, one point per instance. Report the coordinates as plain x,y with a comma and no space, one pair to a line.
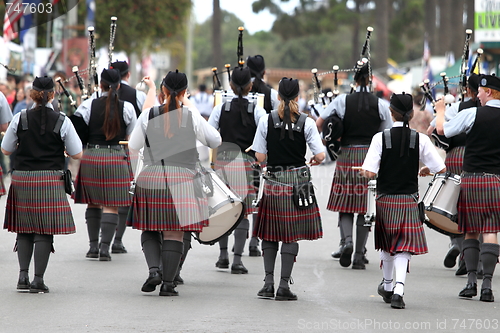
225,210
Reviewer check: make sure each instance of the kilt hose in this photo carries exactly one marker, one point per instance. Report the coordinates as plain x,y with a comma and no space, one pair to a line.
278,219
37,203
349,190
455,160
165,199
104,178
397,225
235,168
479,203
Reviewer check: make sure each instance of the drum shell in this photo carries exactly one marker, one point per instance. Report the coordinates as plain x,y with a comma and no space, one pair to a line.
370,202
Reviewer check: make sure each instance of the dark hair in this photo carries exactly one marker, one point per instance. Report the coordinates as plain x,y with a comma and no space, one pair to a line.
165,109
111,125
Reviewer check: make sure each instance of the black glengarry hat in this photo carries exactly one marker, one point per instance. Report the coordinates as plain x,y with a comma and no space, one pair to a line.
241,77
175,81
256,65
43,83
490,81
121,66
402,103
473,81
111,76
288,88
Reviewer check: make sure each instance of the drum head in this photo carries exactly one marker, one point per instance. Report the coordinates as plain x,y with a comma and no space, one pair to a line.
441,224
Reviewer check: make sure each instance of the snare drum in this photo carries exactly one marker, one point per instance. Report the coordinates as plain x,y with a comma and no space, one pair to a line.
370,203
225,212
440,201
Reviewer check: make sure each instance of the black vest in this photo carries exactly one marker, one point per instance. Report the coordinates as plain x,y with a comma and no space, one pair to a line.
360,127
180,149
482,148
231,123
40,152
97,111
398,175
129,94
459,140
263,88
285,153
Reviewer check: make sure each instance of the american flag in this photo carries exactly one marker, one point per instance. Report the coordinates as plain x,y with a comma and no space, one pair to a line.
13,13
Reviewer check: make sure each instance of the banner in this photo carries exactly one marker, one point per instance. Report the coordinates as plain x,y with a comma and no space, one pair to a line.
487,21
75,53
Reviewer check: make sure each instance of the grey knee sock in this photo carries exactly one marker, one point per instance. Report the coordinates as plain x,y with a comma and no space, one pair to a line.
361,236
109,221
288,253
24,246
186,241
93,218
240,238
458,241
270,250
151,247
345,222
223,247
43,247
489,257
122,224
171,256
471,257
254,241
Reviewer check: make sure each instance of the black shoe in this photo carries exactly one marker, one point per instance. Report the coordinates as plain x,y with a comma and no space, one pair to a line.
285,294
104,256
93,253
336,254
254,251
345,255
358,264
168,289
267,291
397,302
38,287
178,279
23,283
118,248
386,295
461,270
222,263
450,260
365,259
238,269
469,291
153,280
487,295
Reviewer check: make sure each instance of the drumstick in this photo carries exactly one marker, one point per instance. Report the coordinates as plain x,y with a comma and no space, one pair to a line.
357,168
123,142
248,149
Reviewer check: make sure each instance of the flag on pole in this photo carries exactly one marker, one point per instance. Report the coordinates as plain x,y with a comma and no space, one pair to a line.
13,13
426,66
90,19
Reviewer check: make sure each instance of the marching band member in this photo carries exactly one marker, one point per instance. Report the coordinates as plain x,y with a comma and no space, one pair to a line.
5,118
103,180
478,209
282,137
258,70
37,207
237,122
394,155
363,115
168,134
136,98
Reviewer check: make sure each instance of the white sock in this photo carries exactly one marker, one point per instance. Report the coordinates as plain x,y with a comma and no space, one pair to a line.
401,261
387,269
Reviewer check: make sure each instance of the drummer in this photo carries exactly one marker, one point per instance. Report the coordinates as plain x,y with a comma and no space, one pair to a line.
478,209
394,155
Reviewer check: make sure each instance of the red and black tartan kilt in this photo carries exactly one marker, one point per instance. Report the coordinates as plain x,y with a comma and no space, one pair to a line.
37,203
455,160
235,168
397,225
2,185
165,199
104,178
479,203
278,220
349,190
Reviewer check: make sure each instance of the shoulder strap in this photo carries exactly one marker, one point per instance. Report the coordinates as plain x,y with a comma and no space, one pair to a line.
156,113
251,106
185,113
24,119
413,138
299,126
276,119
227,106
60,121
387,137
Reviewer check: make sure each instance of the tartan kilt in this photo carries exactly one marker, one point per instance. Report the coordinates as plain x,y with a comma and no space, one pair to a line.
455,160
37,203
2,185
397,225
104,178
349,190
478,203
164,199
237,172
278,220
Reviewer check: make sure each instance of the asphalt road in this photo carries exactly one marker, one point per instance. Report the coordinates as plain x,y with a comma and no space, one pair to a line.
92,296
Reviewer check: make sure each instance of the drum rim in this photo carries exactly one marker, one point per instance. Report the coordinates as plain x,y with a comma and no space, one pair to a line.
448,215
212,242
